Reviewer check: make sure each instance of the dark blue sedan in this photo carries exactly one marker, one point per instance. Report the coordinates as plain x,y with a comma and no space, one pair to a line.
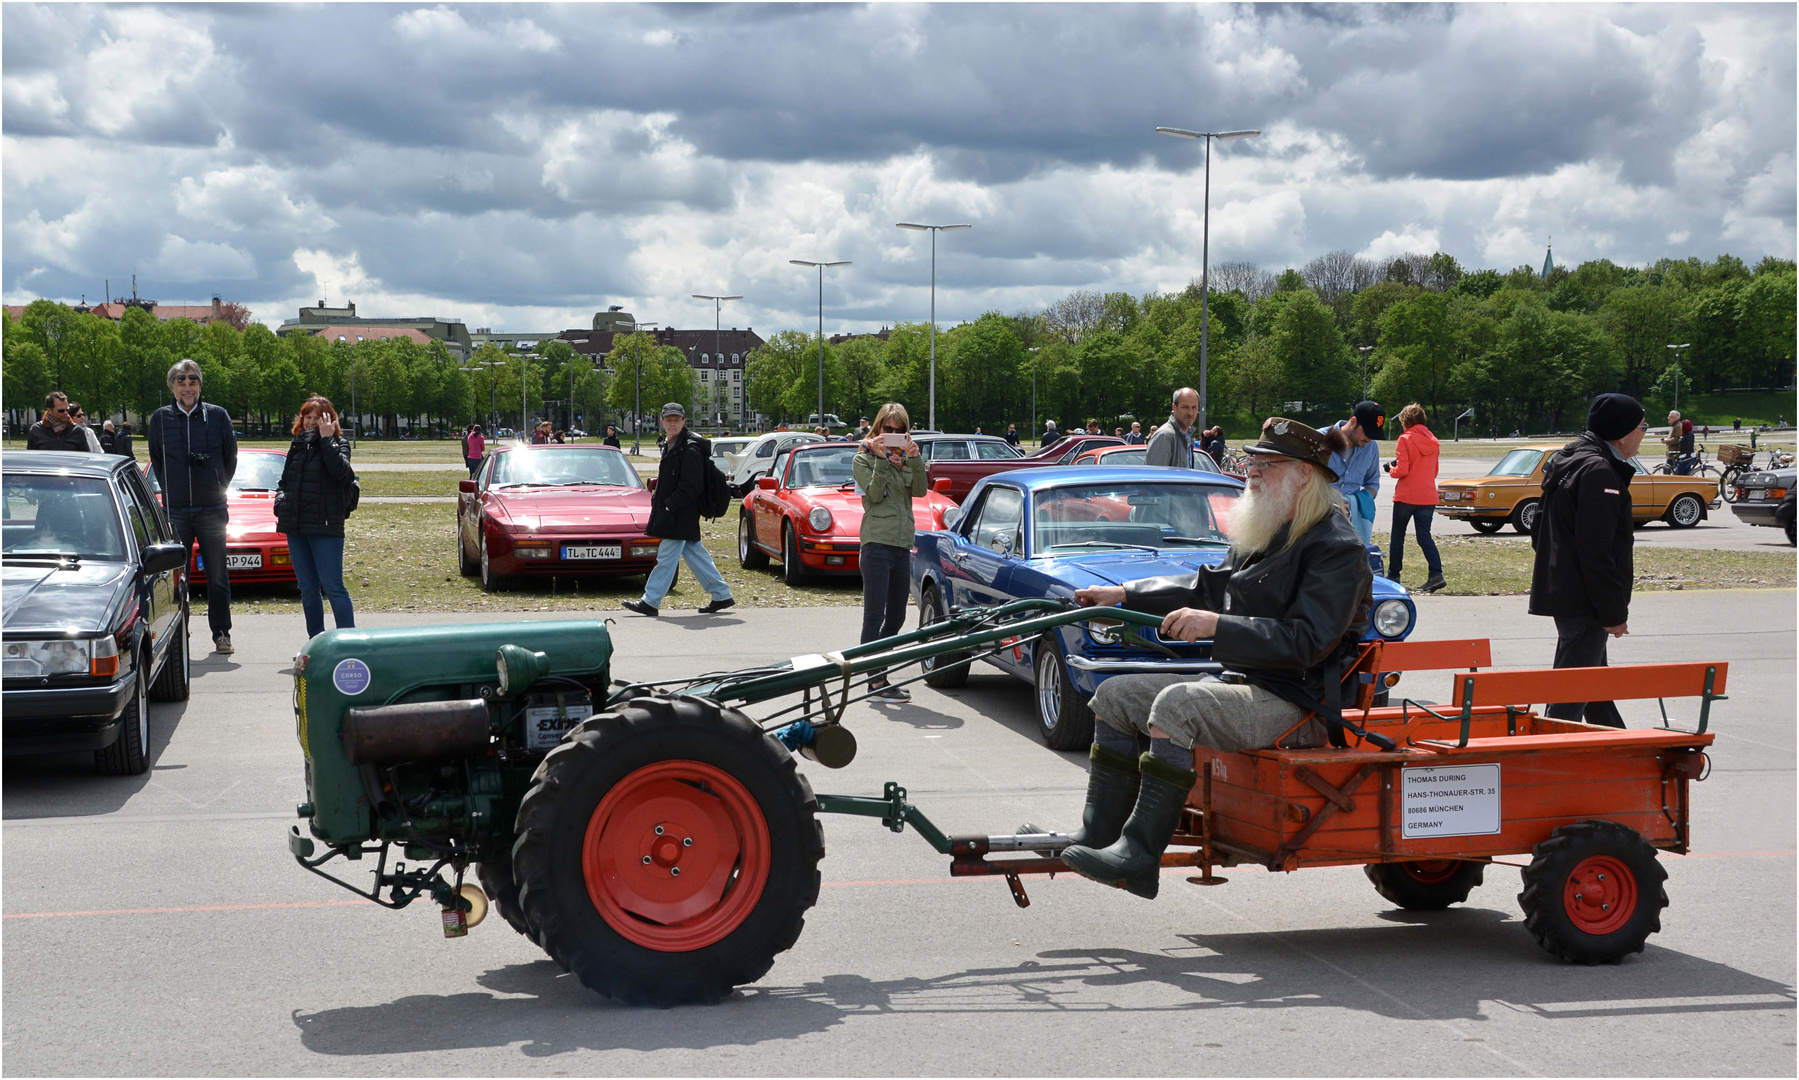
1047,532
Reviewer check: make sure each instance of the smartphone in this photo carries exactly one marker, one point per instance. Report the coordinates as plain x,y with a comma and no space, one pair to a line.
893,442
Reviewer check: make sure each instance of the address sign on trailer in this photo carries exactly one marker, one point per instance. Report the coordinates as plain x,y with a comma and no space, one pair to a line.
1449,800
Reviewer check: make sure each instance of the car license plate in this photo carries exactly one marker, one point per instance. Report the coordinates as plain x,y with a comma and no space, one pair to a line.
591,551
243,560
1759,493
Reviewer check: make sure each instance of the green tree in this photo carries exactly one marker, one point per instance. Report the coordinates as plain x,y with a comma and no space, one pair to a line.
1417,351
1310,350
1641,321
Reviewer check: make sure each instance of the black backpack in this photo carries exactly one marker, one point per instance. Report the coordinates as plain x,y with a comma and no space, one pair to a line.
715,489
352,495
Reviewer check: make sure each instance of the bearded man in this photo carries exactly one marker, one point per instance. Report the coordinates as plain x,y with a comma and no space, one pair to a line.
1293,589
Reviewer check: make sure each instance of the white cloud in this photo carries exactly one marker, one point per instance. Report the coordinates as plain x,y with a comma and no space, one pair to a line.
182,259
148,56
1389,244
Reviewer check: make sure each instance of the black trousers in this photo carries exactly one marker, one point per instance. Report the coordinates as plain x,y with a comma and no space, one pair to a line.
1405,514
886,587
207,527
1580,642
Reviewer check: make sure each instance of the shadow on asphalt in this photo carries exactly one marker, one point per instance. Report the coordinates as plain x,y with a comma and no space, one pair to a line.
1451,965
66,785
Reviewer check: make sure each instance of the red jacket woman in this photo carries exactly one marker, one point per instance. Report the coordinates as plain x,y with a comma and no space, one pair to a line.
1415,497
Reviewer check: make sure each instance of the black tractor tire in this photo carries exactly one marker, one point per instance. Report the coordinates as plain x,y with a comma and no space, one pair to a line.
1486,526
502,891
490,581
1686,511
466,566
749,556
1524,516
129,754
949,670
175,681
635,779
793,571
1071,725
1593,892
1425,885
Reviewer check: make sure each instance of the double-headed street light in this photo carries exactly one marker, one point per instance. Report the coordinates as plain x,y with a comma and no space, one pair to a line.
1677,349
1364,350
1205,247
717,333
821,327
933,230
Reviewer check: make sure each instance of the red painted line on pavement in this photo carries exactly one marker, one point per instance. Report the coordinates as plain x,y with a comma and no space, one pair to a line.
828,885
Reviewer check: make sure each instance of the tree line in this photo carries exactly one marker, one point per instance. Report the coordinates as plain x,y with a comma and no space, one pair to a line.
1526,352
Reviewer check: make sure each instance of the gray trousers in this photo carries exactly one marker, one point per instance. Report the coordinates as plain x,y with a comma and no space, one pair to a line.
1230,717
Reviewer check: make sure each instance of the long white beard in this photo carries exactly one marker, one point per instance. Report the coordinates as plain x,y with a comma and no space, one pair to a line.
1259,515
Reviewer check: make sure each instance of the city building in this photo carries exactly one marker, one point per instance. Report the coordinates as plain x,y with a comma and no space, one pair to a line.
716,356
332,323
115,310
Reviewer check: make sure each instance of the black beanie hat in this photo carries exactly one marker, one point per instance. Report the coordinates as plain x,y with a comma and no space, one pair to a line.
1613,416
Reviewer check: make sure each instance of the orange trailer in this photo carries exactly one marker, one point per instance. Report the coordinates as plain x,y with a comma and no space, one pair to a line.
1488,778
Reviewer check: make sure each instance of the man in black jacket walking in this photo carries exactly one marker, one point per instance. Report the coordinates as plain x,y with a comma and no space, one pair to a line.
193,449
675,518
1584,537
1294,588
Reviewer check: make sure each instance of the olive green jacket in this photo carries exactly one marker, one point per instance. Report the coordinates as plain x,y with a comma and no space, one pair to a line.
887,494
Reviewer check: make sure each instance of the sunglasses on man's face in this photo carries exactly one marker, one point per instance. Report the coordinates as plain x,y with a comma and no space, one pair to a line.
64,411
187,378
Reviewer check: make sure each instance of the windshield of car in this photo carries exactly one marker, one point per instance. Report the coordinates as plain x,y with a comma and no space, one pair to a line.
61,515
1133,514
1518,463
822,468
1133,456
258,472
563,468
997,451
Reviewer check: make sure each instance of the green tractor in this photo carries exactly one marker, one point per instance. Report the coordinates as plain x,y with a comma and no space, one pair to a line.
655,840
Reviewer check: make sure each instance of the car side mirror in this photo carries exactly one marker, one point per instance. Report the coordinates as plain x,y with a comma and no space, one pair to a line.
767,483
162,558
1003,544
952,517
466,487
941,485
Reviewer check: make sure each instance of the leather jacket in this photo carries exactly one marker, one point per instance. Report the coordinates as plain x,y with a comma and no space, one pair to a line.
1282,614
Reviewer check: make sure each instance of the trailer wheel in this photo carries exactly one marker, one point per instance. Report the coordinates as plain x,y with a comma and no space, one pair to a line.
949,670
667,851
1426,884
497,882
1593,892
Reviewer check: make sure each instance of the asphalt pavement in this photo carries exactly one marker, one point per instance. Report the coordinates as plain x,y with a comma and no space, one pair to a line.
156,925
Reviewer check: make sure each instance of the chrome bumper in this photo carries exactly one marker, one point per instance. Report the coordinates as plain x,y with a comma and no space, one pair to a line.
1146,667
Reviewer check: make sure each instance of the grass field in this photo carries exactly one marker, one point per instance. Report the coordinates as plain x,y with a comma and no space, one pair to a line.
402,557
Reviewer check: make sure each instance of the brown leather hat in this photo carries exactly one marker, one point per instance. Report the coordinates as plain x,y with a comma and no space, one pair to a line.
1282,437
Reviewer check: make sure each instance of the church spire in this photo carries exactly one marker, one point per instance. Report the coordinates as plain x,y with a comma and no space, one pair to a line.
1549,258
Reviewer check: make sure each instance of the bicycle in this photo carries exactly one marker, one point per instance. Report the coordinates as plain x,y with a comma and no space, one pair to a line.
1740,462
1693,464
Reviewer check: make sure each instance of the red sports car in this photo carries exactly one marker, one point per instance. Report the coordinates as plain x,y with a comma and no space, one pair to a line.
553,510
808,514
255,554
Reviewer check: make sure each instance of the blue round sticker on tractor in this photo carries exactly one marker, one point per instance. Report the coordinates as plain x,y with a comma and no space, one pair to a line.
351,677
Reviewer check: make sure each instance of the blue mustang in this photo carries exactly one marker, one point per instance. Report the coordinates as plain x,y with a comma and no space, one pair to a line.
1047,532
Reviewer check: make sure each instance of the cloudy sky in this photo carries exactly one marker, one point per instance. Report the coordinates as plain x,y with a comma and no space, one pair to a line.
522,166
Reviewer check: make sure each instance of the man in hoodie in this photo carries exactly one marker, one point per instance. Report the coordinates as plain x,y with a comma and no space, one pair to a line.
1172,444
1583,539
193,449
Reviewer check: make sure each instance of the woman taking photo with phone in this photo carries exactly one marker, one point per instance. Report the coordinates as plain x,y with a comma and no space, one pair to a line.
309,508
889,474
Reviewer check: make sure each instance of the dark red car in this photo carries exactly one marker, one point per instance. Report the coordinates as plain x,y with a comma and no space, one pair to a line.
964,475
543,510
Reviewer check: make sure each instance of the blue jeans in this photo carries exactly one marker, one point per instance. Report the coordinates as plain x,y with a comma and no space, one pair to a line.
319,567
208,527
1403,514
669,554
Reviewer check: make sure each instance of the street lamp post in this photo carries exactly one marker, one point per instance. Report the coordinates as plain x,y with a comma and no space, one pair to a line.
933,230
1205,249
821,327
1034,390
1364,350
637,408
1676,349
717,330
493,409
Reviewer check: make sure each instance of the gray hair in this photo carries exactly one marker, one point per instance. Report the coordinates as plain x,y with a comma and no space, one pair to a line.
1176,399
184,367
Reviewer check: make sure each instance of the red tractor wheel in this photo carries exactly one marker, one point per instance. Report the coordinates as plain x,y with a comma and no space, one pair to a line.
1426,884
667,851
1593,892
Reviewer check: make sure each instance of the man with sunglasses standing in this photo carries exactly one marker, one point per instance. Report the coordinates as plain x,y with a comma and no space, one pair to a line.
57,430
193,449
1584,540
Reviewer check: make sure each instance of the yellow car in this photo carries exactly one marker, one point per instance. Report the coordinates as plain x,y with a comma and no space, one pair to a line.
1513,489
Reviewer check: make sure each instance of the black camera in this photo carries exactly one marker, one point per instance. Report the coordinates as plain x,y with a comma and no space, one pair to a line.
199,459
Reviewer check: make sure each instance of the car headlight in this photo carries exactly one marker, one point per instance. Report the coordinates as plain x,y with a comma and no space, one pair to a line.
1104,633
1392,618
819,519
69,656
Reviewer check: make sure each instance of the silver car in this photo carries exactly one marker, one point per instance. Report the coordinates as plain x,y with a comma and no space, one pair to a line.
758,458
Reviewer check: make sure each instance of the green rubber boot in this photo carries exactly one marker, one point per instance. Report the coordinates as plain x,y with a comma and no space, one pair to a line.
1134,863
1111,791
